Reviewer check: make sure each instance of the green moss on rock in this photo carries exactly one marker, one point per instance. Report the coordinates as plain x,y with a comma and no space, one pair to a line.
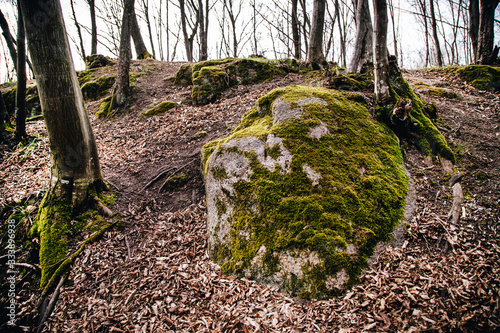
102,112
184,76
288,197
433,91
160,108
482,77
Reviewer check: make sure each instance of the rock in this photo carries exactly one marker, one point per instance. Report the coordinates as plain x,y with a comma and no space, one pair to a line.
302,190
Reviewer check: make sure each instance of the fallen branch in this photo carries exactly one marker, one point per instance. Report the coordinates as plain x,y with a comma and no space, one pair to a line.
50,307
173,174
158,176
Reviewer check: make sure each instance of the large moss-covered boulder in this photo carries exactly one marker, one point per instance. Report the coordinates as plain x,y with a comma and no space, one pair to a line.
303,189
92,90
211,78
482,77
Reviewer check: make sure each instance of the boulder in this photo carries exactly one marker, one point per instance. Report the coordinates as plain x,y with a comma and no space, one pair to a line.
303,189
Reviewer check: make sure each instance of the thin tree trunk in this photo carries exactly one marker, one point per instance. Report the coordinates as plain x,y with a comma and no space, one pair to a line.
439,55
188,42
295,30
148,23
203,54
474,26
78,30
121,90
486,31
21,79
315,54
380,60
140,47
363,47
9,39
254,22
93,27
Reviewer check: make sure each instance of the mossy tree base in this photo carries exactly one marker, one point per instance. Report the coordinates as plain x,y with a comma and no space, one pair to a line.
56,229
409,116
301,192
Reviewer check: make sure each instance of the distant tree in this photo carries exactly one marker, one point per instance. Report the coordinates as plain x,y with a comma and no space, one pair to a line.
187,23
73,153
78,30
439,55
93,27
20,132
203,28
296,30
315,54
485,54
474,26
9,39
145,8
140,47
121,90
380,57
363,47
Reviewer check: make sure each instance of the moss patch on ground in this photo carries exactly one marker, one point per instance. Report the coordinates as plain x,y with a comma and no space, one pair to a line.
425,88
482,77
159,108
338,217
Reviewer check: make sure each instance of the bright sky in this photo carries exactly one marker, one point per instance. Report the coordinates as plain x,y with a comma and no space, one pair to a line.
410,32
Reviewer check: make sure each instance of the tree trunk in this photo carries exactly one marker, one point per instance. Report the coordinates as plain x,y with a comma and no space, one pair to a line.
148,23
93,27
21,79
73,153
78,30
315,55
121,90
380,61
140,47
363,47
486,31
439,55
11,43
295,30
474,26
203,55
188,40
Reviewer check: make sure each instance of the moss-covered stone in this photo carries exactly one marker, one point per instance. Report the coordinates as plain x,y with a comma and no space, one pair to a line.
302,190
97,60
184,76
210,78
425,88
102,112
33,107
159,108
482,77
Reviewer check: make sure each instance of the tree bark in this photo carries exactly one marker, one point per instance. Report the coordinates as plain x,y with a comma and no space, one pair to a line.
73,153
315,54
296,30
486,31
188,39
203,54
9,39
380,60
121,90
140,47
363,47
439,55
21,79
93,27
75,164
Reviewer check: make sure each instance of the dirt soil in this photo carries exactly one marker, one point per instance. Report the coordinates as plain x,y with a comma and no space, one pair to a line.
151,272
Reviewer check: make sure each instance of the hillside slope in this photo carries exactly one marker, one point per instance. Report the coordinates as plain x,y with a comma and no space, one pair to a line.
152,274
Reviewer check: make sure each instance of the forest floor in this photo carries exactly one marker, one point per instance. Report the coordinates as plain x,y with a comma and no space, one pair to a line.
151,273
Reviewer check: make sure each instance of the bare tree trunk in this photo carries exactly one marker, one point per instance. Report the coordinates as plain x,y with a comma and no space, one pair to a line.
486,31
296,31
380,60
140,47
254,23
9,39
78,30
306,24
188,38
93,27
315,52
439,55
121,90
203,54
474,26
145,6
363,47
73,153
21,79
394,32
